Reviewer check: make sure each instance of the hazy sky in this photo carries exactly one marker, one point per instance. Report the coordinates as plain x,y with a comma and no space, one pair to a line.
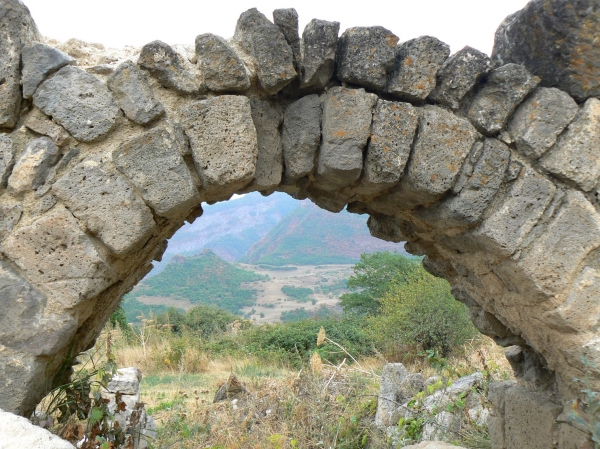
116,23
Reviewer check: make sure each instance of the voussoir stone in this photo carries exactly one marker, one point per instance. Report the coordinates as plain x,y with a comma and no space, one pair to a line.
392,134
221,67
7,159
133,94
40,61
443,142
154,165
104,200
557,41
458,76
267,120
39,123
540,119
32,168
386,228
319,42
416,66
266,44
365,55
504,89
79,102
17,29
287,21
575,156
54,252
169,68
301,136
223,142
346,123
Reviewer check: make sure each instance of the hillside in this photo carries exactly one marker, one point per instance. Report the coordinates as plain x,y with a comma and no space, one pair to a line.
204,279
312,236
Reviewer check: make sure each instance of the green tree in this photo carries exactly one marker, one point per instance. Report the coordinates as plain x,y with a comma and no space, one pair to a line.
373,276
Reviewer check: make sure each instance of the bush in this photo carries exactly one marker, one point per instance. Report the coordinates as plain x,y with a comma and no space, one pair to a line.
206,320
298,293
421,312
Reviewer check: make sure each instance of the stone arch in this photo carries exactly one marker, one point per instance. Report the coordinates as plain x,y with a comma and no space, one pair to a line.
103,156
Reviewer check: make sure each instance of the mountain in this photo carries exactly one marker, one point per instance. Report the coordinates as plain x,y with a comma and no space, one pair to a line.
312,236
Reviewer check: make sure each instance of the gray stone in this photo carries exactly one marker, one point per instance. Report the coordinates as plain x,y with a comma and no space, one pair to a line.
126,381
575,154
555,40
169,68
555,257
40,61
442,144
518,212
7,159
78,101
37,122
365,56
10,214
55,253
231,389
287,21
267,120
19,432
458,76
433,445
222,69
155,167
416,66
504,89
386,228
223,142
479,182
301,136
107,204
33,166
347,115
133,94
319,42
266,44
392,135
392,393
17,29
540,119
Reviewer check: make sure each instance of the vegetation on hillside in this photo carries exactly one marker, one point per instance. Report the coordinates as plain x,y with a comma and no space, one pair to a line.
300,294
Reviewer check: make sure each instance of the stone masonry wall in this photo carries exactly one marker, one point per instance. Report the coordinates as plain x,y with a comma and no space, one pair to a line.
485,171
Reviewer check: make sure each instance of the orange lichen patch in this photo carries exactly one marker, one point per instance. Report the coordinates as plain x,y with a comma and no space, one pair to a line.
433,177
386,149
340,133
408,61
391,40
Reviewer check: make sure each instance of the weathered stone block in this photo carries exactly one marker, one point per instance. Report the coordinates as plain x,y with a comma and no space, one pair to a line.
37,122
40,61
301,136
319,40
269,163
392,134
443,142
393,384
504,89
555,40
519,211
17,29
78,101
133,94
169,68
365,55
555,256
19,432
287,21
222,69
384,227
347,115
223,142
54,252
540,119
416,66
575,156
154,165
266,44
107,204
7,159
32,168
126,381
458,76
10,214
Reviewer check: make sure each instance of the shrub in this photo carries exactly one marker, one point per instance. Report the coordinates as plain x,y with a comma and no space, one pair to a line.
207,320
422,312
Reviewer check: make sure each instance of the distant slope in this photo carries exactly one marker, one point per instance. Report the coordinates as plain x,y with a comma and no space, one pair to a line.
204,279
229,228
312,236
